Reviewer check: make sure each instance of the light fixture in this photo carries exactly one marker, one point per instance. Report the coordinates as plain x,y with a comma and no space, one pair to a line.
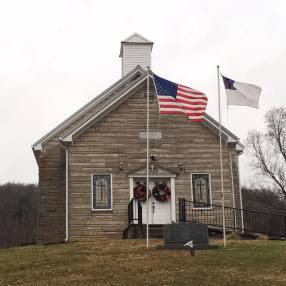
181,166
153,158
120,166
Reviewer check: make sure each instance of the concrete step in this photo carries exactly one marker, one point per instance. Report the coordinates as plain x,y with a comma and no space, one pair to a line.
155,230
137,231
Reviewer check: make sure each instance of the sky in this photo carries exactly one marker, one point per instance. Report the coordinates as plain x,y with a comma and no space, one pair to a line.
55,56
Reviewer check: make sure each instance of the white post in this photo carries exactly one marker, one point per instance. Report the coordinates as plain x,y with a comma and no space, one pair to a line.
240,197
147,171
232,188
220,156
67,193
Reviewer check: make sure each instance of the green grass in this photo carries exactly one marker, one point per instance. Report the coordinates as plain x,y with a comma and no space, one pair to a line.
126,262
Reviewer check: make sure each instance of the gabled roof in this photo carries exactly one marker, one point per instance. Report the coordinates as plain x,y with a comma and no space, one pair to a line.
136,39
106,102
137,71
106,108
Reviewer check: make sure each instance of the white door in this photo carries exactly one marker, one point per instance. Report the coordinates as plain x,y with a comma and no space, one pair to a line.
159,212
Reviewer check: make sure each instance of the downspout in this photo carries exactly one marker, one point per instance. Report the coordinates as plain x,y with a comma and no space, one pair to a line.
232,189
67,193
240,197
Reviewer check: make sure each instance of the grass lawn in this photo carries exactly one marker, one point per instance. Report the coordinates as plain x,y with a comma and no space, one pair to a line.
126,262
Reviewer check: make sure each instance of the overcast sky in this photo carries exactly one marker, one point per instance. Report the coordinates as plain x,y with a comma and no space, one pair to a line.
55,56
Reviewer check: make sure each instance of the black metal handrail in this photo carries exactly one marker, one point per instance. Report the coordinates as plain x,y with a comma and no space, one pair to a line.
134,218
134,212
252,222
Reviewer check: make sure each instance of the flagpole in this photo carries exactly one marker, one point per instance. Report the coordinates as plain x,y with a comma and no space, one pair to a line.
147,170
220,156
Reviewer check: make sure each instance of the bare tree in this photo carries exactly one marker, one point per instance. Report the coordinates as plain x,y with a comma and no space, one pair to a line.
268,149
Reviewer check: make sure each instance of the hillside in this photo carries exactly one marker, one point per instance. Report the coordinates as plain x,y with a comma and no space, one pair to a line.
126,262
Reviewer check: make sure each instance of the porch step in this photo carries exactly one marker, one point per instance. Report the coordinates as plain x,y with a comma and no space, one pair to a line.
155,230
135,231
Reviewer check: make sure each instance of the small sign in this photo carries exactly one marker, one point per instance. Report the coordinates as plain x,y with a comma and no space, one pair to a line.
152,135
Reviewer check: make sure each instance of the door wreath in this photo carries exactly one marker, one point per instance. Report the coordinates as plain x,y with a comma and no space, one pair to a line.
161,192
139,192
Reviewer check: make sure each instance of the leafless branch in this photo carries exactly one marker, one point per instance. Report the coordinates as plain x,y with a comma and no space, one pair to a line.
268,149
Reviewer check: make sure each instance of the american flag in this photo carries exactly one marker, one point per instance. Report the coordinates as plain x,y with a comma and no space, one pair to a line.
176,98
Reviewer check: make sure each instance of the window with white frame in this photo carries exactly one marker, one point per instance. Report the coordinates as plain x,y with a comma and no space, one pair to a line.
201,191
101,192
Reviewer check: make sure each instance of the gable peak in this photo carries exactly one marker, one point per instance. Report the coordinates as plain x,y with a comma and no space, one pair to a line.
137,38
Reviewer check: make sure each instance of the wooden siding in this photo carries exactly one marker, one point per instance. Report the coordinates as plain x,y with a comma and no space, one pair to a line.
51,222
135,54
115,139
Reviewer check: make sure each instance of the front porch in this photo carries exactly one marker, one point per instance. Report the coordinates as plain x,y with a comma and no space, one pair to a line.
242,221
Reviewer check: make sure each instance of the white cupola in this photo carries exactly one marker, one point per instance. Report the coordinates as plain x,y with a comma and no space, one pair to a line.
135,50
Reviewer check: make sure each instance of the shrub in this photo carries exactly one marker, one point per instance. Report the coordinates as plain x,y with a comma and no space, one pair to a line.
263,237
232,236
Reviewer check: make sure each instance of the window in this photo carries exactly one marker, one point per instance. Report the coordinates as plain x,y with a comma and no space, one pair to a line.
101,192
201,190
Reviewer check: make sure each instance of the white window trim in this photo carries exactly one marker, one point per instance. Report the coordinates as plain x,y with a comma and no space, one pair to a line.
111,193
210,187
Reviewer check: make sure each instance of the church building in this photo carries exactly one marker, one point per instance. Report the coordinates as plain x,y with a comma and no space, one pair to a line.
94,163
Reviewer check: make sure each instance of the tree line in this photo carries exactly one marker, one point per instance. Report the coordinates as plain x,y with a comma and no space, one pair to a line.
18,214
263,200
